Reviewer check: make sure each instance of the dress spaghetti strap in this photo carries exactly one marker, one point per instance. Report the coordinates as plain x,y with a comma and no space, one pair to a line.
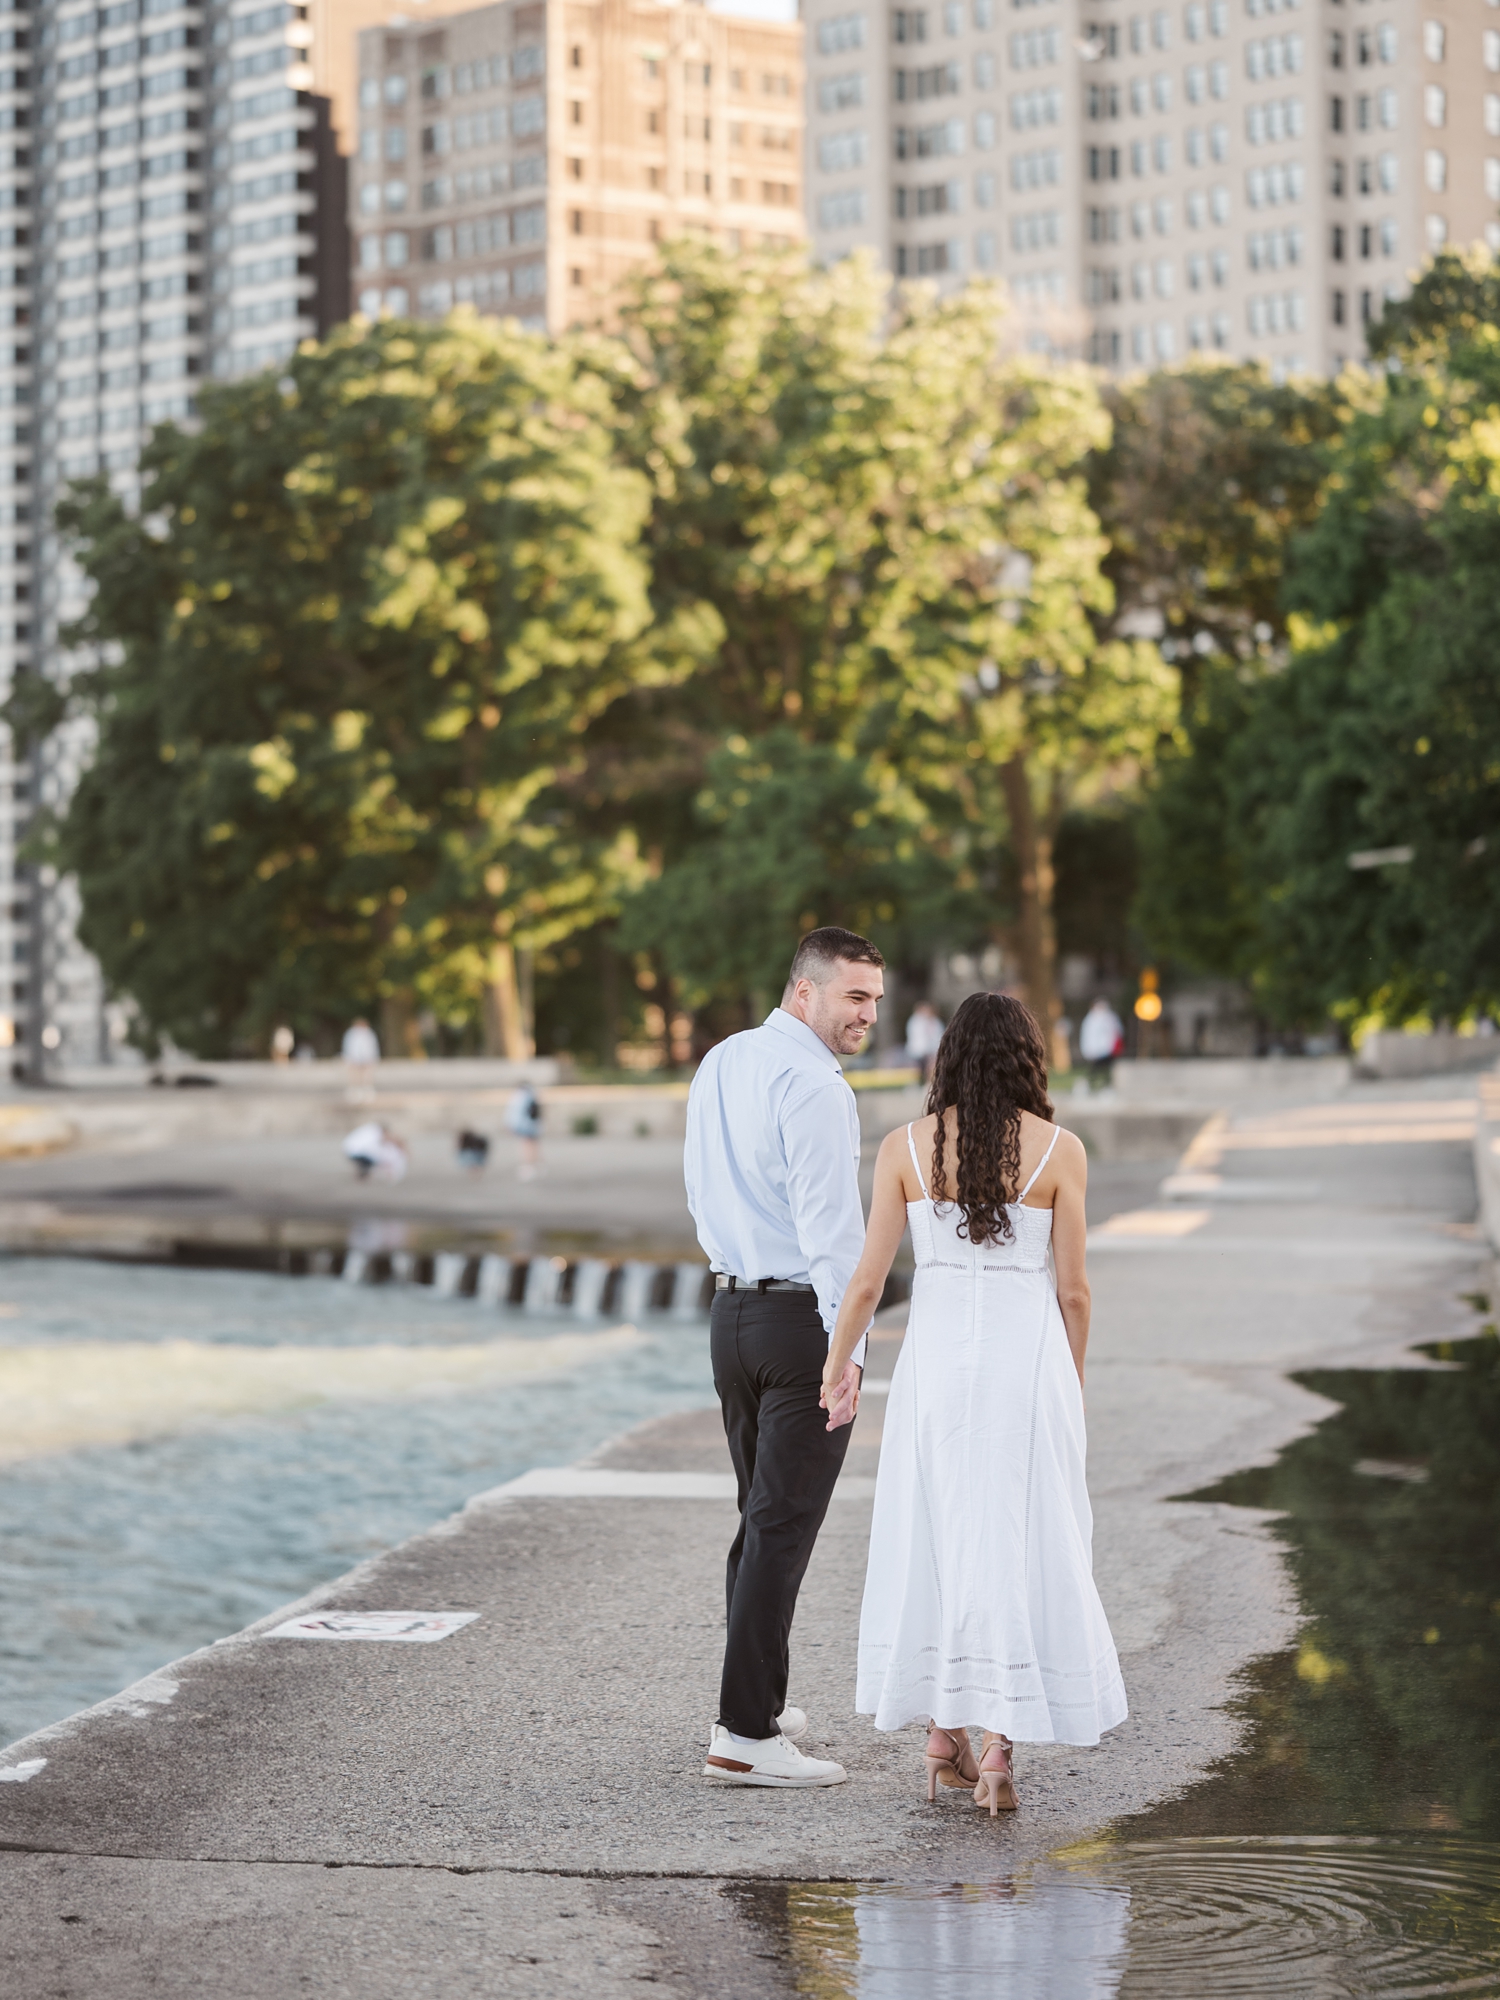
1056,1135
912,1149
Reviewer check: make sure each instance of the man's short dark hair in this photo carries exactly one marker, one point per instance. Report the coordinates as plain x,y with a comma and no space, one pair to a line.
822,949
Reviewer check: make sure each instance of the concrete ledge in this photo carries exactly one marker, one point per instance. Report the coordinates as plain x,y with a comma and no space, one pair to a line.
1393,1053
1211,1083
1487,1157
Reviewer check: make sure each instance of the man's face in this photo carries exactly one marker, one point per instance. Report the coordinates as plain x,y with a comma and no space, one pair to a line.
840,1012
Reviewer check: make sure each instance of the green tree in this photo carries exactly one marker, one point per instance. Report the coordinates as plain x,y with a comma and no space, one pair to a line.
1209,472
792,834
889,522
1381,731
346,653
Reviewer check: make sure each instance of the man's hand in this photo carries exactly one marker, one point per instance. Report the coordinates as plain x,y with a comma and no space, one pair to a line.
840,1395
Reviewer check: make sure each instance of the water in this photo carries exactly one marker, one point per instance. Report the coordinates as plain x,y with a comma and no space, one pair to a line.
220,1442
1167,1920
1351,1847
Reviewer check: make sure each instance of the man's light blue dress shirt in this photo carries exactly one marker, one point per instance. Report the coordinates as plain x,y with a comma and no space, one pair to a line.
772,1161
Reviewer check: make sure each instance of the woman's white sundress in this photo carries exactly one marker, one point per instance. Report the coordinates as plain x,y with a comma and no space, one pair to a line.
980,1606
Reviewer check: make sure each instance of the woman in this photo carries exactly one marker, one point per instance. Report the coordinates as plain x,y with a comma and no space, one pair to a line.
980,1606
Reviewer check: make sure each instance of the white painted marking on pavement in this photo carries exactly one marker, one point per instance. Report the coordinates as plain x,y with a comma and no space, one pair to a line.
17,1774
419,1628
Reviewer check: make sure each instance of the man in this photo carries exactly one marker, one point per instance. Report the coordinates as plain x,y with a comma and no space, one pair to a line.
1100,1040
361,1052
924,1030
772,1170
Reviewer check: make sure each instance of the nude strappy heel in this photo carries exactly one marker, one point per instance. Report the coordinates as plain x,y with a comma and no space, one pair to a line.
945,1763
996,1788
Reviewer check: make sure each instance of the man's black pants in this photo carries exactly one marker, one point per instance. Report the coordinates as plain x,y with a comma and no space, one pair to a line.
768,1354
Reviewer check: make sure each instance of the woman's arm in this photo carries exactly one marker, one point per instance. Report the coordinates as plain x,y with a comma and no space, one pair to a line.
882,1237
1069,1237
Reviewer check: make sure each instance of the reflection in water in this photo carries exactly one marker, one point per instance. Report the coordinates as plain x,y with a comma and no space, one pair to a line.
1386,1718
1167,1920
1053,1939
1352,1847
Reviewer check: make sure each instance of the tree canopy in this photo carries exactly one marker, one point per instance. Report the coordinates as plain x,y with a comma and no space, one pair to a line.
345,653
1379,733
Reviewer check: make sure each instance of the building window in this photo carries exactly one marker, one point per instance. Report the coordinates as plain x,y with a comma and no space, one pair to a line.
1437,233
1338,308
1433,41
841,33
1435,104
842,152
844,210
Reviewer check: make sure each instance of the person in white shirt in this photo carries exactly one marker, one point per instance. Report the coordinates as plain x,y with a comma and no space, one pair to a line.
1100,1038
924,1030
361,1052
373,1149
772,1172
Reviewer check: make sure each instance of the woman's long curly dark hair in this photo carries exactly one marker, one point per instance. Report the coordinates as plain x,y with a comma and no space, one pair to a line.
991,1065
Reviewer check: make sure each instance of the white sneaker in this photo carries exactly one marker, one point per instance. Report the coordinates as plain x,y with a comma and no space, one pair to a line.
792,1723
773,1762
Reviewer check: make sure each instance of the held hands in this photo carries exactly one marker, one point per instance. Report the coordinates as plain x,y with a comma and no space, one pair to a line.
840,1394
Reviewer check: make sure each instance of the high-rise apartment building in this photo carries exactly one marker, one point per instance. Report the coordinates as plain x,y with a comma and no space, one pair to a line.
523,157
1244,177
174,209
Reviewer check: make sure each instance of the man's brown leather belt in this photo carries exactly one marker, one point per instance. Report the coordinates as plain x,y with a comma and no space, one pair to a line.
723,1284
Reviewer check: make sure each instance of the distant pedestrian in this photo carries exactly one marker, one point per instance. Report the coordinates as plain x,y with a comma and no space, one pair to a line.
361,1052
924,1030
373,1149
282,1044
473,1151
523,1117
1100,1039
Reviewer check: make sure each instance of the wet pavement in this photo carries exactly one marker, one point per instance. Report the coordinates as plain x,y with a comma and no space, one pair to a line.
517,1809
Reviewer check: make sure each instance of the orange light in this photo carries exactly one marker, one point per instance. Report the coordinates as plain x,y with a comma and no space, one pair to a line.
1148,1007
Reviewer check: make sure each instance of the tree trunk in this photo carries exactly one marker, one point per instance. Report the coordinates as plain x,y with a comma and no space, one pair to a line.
1036,932
526,994
399,1033
504,1032
609,998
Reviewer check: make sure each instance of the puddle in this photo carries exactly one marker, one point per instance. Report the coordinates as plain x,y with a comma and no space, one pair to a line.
1159,1920
1352,1846
1385,1717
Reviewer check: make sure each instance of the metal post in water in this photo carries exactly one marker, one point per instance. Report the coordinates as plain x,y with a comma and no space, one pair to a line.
544,1276
494,1281
687,1291
590,1282
635,1289
448,1273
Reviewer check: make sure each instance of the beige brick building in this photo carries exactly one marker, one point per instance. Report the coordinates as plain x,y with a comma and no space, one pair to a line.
523,157
1247,177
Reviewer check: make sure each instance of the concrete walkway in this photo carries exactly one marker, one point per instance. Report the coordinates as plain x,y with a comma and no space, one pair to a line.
517,1809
